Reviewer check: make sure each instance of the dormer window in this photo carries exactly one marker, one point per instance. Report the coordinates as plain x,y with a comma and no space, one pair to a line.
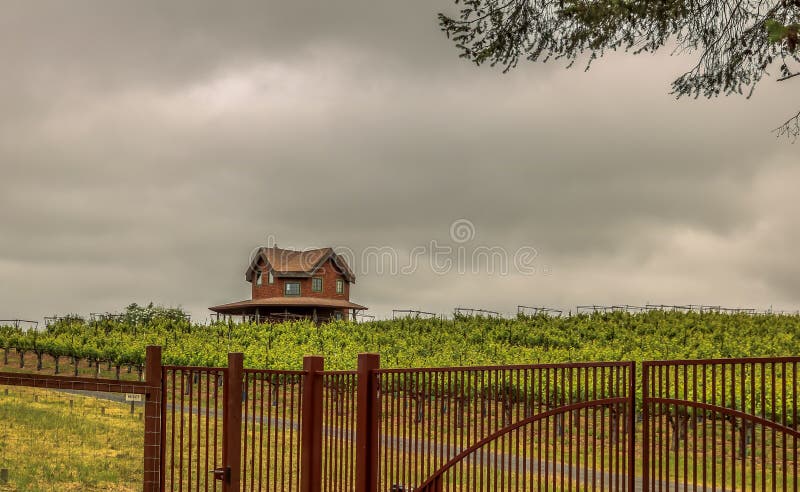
339,286
259,280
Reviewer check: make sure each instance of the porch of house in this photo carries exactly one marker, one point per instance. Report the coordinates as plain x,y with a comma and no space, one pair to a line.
275,310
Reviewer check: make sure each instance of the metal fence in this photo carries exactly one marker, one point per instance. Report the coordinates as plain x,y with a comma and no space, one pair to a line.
531,427
728,424
74,430
272,408
69,439
192,427
608,426
339,431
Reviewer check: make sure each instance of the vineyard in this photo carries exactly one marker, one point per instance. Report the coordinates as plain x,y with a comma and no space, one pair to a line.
116,347
409,342
564,385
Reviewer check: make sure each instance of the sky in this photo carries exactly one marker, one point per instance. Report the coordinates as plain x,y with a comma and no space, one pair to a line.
146,149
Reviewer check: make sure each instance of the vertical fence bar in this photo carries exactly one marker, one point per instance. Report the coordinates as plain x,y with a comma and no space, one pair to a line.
232,423
368,424
645,428
152,423
311,425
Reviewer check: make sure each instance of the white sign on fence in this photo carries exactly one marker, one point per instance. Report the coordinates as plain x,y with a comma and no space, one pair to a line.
133,397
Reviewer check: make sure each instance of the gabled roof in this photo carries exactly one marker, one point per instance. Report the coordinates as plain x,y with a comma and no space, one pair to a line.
292,263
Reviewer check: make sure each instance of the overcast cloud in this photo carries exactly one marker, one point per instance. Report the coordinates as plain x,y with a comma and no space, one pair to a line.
147,148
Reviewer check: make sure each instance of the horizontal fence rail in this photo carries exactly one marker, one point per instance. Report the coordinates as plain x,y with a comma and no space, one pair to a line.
711,425
75,383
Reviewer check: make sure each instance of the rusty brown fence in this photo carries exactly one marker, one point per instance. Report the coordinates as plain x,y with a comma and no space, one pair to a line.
532,427
149,392
271,430
339,431
710,425
727,424
192,427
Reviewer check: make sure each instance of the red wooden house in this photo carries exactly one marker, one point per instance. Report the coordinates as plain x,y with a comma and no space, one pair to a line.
312,284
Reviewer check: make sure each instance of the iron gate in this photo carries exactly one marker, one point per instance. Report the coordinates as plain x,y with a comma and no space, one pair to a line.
534,427
725,424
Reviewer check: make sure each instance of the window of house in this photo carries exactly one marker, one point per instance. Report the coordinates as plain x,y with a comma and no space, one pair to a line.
292,289
337,315
271,278
258,278
316,284
339,286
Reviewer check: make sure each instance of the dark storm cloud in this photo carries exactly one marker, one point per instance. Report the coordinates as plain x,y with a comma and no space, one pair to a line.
146,148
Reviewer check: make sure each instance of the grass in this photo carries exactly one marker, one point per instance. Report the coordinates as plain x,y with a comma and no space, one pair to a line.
58,441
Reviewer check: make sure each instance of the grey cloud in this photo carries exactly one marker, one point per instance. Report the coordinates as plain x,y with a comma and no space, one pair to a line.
147,148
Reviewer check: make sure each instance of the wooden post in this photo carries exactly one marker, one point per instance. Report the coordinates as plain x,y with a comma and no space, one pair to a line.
311,425
367,424
152,420
232,423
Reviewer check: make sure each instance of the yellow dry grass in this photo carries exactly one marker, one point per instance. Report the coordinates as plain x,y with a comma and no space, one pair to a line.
59,441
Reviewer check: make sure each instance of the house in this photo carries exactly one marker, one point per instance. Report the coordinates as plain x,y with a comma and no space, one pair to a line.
286,283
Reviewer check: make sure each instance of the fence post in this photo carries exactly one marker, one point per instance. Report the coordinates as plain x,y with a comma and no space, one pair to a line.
232,422
152,420
645,428
311,425
367,424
